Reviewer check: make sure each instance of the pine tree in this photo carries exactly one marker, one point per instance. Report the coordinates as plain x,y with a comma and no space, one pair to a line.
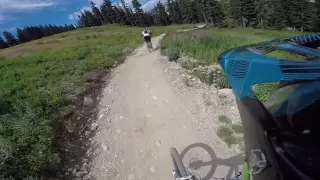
20,35
160,15
107,12
139,14
188,11
174,11
91,19
248,13
277,17
235,10
263,10
128,13
307,16
317,14
213,11
97,14
3,44
11,40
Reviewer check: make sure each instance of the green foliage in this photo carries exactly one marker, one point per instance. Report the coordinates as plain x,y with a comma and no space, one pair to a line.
3,44
224,131
263,91
222,82
229,23
230,133
224,119
248,11
237,128
173,54
207,45
232,139
10,39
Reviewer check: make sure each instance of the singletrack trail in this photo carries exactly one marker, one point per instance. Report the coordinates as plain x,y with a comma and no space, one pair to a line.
145,109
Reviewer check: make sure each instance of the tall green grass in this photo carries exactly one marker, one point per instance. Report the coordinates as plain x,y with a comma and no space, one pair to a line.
35,78
206,45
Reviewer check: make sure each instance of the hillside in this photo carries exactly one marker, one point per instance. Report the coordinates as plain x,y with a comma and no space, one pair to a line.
39,83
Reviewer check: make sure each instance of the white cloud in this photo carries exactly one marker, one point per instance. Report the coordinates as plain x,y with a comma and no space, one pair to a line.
74,15
148,6
23,5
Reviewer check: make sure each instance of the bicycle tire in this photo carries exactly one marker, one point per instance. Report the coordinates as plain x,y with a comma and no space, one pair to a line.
177,163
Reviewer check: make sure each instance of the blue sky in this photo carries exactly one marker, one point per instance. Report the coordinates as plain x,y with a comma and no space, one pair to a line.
20,13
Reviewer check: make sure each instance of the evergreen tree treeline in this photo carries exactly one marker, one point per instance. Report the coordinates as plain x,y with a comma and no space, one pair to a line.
301,15
30,33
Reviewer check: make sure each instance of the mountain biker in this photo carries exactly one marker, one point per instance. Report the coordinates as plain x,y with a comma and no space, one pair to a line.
146,33
281,134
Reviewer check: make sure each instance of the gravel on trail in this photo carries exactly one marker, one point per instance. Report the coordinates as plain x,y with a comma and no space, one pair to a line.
151,105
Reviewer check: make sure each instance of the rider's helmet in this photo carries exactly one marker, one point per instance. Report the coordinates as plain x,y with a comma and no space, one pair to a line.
146,30
282,132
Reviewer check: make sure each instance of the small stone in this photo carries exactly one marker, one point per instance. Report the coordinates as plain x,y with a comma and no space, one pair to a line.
101,116
189,76
155,97
158,143
74,172
88,101
88,177
104,147
152,169
79,174
94,126
121,117
87,133
70,169
131,177
84,160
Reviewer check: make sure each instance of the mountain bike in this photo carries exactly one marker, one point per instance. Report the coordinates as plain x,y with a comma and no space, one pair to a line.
149,45
181,173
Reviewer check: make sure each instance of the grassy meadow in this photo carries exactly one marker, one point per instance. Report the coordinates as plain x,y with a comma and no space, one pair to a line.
36,77
207,44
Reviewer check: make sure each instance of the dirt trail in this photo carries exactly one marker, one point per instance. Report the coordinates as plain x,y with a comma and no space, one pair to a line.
147,108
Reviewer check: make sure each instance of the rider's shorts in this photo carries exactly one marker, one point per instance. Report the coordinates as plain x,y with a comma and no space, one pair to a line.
147,38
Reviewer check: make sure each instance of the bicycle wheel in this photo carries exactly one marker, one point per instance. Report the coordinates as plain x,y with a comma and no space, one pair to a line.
177,163
149,47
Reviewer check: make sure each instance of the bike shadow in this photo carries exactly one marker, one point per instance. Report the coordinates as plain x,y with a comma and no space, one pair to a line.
195,164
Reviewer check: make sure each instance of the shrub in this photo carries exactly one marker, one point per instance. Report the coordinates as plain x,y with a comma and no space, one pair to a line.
224,119
228,23
173,54
230,140
222,82
23,143
263,91
237,128
224,131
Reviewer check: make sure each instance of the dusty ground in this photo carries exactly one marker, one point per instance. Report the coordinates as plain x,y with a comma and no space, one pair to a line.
150,105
